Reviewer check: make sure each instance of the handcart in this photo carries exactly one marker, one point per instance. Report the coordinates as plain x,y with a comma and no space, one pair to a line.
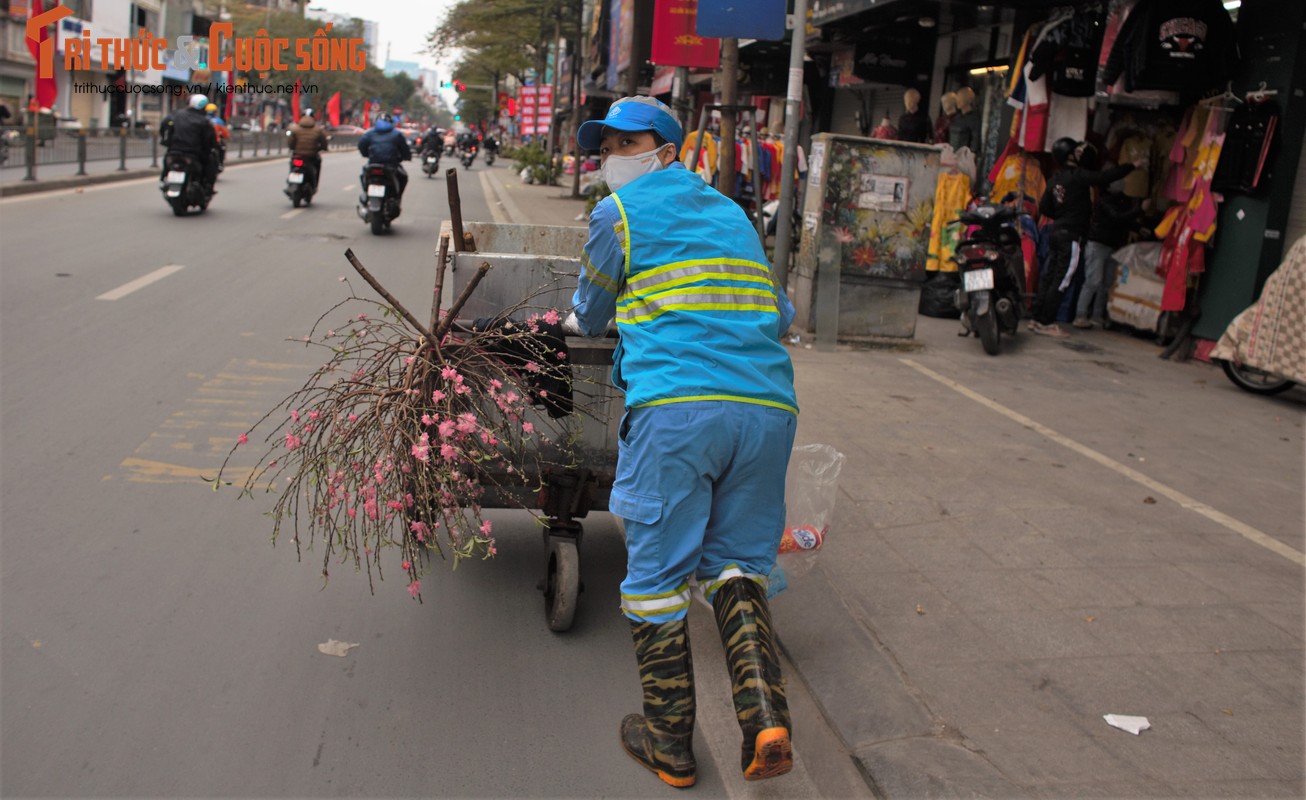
542,262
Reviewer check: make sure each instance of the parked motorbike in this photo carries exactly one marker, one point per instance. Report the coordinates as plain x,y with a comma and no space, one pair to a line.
1261,351
379,205
183,184
431,162
469,155
992,274
301,182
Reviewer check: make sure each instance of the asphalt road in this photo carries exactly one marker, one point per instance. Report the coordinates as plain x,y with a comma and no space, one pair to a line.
154,642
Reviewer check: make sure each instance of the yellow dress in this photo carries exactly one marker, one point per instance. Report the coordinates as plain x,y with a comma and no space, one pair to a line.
951,195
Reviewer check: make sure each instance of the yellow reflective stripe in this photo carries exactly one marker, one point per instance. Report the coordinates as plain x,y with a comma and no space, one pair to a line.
647,281
633,303
705,262
595,275
622,230
731,572
655,612
631,318
726,397
661,605
681,589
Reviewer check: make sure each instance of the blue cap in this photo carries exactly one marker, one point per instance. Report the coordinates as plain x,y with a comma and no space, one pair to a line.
632,114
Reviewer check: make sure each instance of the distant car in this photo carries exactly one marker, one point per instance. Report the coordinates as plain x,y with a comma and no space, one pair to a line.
413,135
348,129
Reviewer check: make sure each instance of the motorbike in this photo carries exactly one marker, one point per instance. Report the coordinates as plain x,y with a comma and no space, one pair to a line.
430,162
469,155
183,184
1261,350
992,274
379,205
301,182
222,155
490,155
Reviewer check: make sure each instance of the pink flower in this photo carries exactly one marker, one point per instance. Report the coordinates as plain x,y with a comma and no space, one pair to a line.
422,450
414,588
292,441
446,428
437,396
351,512
448,373
427,419
561,354
531,366
462,388
551,317
527,428
447,452
407,565
294,414
353,418
313,415
241,439
486,526
467,422
361,318
419,530
496,384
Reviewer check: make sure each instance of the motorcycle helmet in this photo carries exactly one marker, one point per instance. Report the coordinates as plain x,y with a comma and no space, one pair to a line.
308,112
211,109
199,101
1086,156
1063,150
385,122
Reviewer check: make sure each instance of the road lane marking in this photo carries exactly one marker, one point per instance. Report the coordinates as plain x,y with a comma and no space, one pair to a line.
292,213
492,199
140,283
347,187
1192,504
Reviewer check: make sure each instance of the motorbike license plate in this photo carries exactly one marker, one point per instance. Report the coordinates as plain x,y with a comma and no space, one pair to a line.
295,177
176,176
430,159
376,190
977,280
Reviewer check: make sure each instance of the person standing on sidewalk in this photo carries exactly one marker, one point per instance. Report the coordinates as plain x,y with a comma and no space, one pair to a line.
1115,216
706,437
1068,202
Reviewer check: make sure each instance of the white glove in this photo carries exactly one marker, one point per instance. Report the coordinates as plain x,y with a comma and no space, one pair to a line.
571,325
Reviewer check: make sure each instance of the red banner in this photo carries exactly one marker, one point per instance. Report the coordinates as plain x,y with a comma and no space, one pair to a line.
536,109
675,44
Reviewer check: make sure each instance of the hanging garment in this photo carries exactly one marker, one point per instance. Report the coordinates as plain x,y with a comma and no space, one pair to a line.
1067,117
951,195
1018,173
1189,46
1246,145
941,128
914,127
1133,150
707,160
1069,52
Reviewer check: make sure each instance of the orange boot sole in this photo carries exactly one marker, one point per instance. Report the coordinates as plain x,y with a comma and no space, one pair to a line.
773,755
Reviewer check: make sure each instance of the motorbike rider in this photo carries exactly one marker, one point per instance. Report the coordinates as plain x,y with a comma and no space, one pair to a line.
188,132
385,145
307,140
450,141
220,128
432,142
491,144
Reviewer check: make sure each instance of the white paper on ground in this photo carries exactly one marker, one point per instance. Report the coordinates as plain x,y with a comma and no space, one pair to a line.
333,648
1124,722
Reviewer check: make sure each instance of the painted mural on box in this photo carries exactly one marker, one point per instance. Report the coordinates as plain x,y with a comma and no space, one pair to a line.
879,202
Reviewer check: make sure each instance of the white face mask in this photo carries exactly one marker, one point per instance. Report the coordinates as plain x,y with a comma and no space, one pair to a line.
621,170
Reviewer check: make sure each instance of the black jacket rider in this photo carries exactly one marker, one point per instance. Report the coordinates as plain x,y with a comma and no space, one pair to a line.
188,132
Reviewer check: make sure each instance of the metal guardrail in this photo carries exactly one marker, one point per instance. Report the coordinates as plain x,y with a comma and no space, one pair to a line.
25,146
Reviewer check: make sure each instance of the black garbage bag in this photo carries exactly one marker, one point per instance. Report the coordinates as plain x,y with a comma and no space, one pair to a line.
939,295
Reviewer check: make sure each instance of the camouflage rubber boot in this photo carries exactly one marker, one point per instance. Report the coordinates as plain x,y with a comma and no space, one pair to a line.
744,619
662,739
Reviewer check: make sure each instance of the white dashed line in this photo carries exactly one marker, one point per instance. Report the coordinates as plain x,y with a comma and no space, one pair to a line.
140,283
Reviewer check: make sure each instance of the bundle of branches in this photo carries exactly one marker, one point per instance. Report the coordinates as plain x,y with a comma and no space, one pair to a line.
394,441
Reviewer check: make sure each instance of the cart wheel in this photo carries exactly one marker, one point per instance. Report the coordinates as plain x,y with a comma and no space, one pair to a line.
562,584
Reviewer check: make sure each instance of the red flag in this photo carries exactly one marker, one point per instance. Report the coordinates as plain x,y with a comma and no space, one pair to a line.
366,106
46,89
226,112
333,110
294,102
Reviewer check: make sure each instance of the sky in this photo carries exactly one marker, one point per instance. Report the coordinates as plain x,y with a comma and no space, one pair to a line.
404,25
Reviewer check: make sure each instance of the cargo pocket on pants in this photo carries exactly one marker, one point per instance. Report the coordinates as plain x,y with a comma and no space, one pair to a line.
643,542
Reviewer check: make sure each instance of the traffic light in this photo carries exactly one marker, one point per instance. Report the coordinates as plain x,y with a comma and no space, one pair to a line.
457,117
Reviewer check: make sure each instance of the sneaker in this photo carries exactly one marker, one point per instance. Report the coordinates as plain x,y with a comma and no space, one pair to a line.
1082,322
1051,330
1032,326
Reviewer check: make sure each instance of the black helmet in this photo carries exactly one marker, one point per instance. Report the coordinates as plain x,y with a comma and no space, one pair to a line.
1063,150
386,118
1086,156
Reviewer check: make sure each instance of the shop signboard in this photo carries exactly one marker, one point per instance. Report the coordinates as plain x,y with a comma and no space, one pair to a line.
898,54
824,11
675,40
758,19
536,109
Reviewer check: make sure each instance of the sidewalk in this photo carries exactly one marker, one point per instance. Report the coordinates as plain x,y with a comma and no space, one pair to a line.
1026,543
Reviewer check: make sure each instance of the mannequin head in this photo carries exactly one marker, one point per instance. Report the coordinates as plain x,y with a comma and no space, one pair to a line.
912,100
965,99
949,103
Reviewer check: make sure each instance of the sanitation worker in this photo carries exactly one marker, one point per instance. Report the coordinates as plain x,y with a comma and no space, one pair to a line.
706,436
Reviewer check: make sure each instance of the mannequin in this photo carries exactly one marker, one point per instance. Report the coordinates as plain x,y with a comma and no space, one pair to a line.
914,125
964,130
885,129
948,104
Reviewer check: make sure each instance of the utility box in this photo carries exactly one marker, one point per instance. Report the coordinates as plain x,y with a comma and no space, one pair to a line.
866,234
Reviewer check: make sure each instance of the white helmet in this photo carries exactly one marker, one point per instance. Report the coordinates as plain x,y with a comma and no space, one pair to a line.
198,101
308,112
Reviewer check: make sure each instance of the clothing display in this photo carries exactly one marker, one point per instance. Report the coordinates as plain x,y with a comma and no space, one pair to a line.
1018,173
1187,46
1246,147
914,126
964,130
951,196
1068,52
941,126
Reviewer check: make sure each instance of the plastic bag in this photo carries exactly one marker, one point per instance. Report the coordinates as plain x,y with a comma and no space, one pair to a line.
811,489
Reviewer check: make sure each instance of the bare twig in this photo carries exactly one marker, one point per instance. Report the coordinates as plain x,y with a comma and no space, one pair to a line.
461,301
455,209
439,280
395,304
